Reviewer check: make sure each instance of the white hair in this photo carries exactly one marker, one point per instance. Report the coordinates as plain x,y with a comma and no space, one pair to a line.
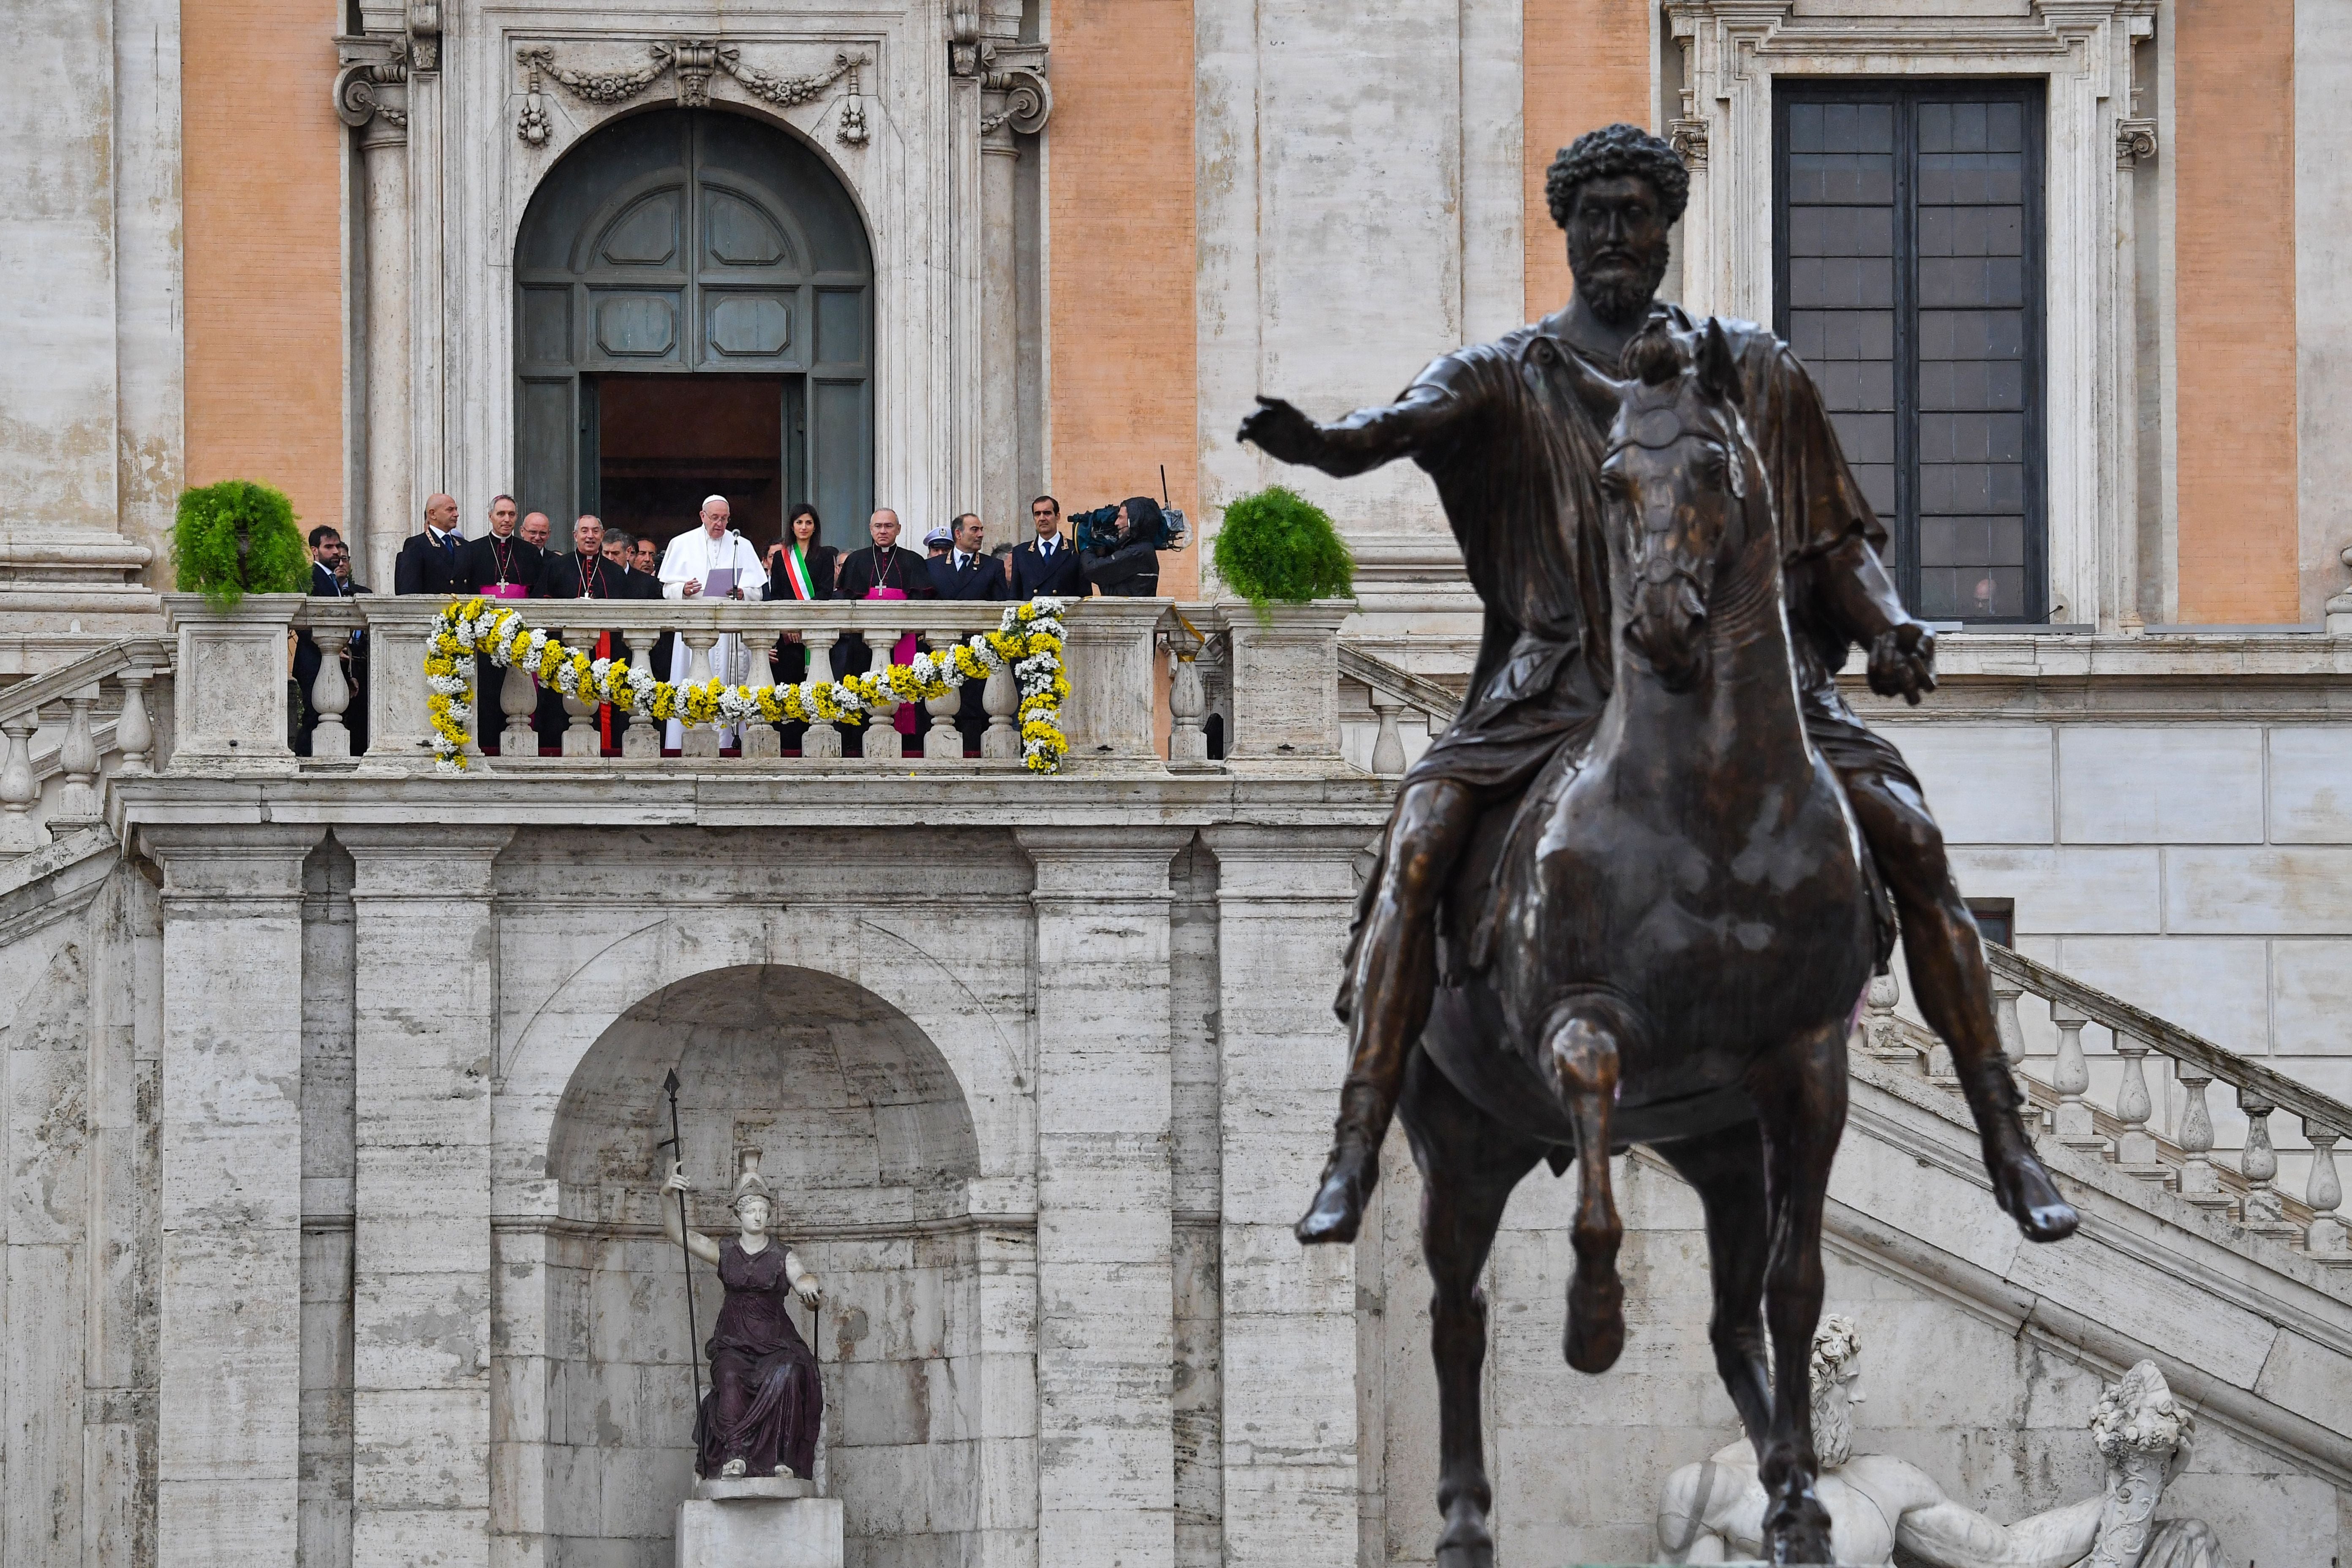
721,500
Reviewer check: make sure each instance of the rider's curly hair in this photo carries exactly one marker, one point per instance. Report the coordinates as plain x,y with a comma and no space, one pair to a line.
1611,150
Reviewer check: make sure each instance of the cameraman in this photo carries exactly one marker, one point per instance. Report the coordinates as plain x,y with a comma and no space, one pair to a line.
1127,565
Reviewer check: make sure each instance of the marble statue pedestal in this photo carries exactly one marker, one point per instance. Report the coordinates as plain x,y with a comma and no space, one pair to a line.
759,1522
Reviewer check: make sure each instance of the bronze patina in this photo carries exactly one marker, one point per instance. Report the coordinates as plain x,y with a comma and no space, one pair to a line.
1629,896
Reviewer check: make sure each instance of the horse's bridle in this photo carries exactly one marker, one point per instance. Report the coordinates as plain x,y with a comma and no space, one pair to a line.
1655,428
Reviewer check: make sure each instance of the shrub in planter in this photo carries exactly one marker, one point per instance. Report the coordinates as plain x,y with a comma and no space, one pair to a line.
1276,547
236,537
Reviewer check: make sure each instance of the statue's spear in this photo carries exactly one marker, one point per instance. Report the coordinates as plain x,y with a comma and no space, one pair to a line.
677,1147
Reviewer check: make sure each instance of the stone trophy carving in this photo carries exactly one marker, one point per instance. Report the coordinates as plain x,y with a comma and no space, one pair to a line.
1622,899
766,1399
1714,1511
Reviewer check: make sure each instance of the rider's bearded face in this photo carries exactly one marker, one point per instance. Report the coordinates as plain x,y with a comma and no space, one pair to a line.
1618,246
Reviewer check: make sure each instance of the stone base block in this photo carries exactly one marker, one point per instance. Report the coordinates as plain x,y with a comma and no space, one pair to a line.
758,1530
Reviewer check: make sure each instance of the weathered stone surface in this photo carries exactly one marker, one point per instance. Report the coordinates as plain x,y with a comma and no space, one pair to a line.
760,1532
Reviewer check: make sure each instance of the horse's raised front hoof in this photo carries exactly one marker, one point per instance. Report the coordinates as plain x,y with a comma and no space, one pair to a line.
1596,1321
1338,1210
2026,1194
1466,1542
1798,1530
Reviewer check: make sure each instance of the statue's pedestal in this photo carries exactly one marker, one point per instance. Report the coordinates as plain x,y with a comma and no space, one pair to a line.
759,1522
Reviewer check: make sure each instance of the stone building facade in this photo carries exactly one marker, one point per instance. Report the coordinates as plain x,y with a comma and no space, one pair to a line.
330,1104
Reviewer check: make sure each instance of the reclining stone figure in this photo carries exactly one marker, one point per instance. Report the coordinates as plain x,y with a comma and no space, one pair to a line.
1714,1511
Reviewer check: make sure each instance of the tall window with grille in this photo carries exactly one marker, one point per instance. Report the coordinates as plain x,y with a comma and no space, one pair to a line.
1907,274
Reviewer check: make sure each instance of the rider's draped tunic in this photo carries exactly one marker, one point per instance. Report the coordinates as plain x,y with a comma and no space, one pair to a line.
1516,456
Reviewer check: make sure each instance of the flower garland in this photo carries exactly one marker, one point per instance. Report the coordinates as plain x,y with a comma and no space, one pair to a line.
1029,639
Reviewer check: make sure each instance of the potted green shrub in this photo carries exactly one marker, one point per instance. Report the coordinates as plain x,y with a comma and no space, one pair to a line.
236,537
1276,547
1279,550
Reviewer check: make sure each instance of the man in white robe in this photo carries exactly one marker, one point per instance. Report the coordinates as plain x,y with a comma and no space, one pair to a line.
685,572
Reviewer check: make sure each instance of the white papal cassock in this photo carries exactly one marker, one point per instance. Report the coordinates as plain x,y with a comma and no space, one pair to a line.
692,557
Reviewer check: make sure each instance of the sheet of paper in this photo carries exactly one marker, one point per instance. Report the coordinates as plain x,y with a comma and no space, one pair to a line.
719,583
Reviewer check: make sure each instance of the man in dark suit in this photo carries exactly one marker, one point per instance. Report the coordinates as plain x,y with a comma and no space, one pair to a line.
327,550
967,571
1047,566
428,562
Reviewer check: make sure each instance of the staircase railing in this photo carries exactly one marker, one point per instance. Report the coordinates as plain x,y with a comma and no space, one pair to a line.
102,699
1392,691
2121,1131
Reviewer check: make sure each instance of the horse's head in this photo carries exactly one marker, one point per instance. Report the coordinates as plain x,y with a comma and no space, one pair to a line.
1679,478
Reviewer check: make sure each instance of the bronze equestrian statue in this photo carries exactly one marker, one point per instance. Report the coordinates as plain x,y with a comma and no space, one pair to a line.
1519,437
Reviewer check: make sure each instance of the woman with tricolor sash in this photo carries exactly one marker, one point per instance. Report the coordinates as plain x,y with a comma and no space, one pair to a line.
799,566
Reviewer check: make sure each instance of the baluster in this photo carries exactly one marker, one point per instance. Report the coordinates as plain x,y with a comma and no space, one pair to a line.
76,807
1001,699
944,741
580,736
2075,1126
2265,1211
1388,746
760,739
699,739
641,741
2200,1182
134,732
820,739
1187,710
1880,1034
329,698
883,742
519,702
2135,1148
19,791
2005,992
2329,1239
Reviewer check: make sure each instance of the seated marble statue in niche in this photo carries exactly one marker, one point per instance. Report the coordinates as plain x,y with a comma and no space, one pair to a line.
766,1400
1881,1506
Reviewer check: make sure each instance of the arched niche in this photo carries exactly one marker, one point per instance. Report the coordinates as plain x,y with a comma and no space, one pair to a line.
694,311
867,1139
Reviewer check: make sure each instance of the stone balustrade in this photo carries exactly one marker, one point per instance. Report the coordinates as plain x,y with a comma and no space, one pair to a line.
232,713
2120,1126
97,716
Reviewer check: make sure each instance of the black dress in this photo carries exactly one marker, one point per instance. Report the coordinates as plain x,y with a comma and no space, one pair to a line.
766,1399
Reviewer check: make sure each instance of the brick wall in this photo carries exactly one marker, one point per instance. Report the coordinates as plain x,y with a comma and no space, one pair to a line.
262,226
1121,237
1586,64
2233,179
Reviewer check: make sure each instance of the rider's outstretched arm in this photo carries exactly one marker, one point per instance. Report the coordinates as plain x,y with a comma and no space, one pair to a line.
1418,424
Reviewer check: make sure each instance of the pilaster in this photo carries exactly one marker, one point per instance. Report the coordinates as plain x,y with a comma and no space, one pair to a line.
1106,1448
371,97
425,960
230,1351
1284,896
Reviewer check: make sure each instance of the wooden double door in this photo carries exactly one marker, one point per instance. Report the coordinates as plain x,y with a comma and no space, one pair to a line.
694,313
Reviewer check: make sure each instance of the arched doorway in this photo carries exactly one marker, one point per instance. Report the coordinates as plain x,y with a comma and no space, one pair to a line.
866,1137
694,311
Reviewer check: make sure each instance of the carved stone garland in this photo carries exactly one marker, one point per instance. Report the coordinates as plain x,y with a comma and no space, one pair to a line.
693,61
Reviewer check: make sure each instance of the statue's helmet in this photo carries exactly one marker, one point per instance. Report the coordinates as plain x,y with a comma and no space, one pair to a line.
749,1183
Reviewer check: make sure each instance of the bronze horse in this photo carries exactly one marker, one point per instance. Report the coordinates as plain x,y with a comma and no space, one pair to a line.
1685,928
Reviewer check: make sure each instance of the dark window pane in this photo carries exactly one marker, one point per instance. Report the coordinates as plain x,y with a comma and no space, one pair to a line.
1940,385
1805,127
2005,127
1867,437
